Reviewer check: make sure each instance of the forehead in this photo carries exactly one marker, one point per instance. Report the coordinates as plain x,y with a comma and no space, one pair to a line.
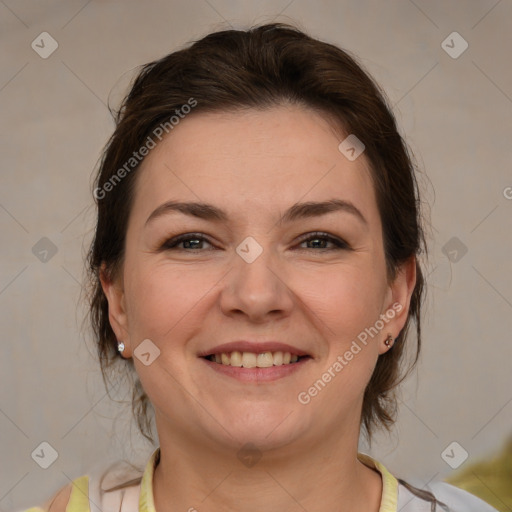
266,159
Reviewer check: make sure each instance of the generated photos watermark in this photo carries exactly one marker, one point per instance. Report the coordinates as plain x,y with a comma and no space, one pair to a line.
304,397
158,133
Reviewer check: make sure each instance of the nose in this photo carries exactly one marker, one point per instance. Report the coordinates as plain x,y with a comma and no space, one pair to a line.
257,290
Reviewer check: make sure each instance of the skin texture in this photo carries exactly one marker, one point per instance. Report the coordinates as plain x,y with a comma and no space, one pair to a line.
254,165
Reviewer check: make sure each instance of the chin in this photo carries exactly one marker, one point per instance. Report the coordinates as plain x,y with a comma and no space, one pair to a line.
267,427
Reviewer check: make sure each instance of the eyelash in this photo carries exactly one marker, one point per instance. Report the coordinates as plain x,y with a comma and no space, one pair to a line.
340,244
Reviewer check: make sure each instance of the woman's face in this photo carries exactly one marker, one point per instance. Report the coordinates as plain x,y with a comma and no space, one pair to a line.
247,272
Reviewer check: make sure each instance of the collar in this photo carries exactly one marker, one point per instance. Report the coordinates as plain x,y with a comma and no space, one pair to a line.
388,502
146,501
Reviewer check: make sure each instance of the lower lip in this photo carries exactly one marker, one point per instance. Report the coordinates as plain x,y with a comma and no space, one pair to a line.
257,374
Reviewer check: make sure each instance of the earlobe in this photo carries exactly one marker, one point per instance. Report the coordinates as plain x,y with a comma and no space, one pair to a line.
389,341
398,300
114,293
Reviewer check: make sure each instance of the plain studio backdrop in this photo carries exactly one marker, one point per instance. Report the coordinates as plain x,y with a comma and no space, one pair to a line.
446,69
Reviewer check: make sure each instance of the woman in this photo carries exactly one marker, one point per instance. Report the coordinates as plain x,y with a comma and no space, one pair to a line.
255,264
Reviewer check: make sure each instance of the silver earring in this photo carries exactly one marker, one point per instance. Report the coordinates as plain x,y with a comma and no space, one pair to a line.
389,341
120,347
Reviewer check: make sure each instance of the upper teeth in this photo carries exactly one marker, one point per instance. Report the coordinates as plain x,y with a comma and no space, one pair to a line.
252,359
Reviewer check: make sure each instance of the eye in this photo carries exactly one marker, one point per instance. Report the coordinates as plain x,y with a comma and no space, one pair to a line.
321,239
192,241
195,241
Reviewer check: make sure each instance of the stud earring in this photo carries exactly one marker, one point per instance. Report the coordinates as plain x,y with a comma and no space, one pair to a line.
389,341
120,347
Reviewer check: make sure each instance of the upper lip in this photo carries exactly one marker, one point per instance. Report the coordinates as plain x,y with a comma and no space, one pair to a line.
253,346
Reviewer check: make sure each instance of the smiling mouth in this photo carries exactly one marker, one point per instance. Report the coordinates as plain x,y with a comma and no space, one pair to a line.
255,360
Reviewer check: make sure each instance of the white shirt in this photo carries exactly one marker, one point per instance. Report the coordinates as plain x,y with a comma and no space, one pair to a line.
456,499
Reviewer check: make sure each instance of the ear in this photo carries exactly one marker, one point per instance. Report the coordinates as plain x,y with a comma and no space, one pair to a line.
114,292
398,300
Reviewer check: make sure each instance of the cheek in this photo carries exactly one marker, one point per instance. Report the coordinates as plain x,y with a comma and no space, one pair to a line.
165,298
165,306
346,299
347,304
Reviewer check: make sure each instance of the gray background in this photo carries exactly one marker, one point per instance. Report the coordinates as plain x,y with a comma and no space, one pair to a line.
457,114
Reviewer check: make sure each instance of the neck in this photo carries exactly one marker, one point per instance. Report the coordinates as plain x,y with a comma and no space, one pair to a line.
324,476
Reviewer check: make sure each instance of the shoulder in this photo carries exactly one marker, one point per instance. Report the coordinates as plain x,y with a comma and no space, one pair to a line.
104,487
455,499
73,497
60,500
458,499
57,503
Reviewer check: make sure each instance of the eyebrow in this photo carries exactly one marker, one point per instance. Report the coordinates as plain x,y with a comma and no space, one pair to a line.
297,211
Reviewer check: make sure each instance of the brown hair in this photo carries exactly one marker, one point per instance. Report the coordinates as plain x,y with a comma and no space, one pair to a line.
262,67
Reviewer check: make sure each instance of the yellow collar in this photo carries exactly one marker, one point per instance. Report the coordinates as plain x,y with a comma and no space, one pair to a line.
146,501
389,484
389,501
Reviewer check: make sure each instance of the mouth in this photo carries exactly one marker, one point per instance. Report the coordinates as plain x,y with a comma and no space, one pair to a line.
255,361
248,369
266,359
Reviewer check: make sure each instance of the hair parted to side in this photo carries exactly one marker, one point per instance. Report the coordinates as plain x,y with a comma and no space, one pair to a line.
262,67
